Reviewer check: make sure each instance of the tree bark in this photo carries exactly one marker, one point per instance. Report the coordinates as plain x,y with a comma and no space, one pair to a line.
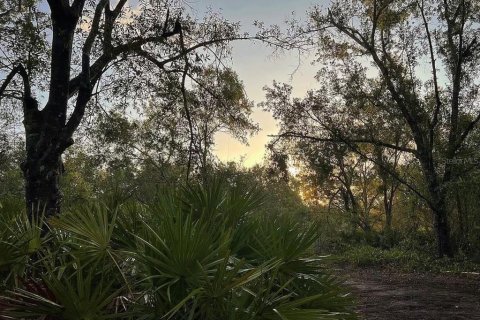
42,166
440,212
42,193
45,142
442,228
388,211
462,220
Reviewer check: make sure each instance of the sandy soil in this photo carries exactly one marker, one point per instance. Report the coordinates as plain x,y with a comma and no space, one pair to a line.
386,295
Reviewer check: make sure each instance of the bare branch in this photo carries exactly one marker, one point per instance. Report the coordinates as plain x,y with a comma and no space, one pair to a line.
87,47
110,18
26,82
83,97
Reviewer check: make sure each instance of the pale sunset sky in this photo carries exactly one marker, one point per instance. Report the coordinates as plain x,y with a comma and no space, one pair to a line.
257,67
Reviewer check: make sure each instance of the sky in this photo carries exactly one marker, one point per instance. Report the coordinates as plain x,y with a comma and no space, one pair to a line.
258,67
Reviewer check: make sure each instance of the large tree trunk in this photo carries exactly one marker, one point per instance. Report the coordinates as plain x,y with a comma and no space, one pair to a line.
42,193
438,202
45,141
42,166
442,228
462,219
441,224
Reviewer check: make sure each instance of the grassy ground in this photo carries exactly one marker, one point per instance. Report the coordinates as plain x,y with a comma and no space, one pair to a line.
399,259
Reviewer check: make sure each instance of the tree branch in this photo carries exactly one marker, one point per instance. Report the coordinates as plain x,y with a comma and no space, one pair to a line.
77,6
136,47
59,7
185,101
438,102
391,172
76,117
6,13
87,47
467,131
110,18
351,140
20,69
396,95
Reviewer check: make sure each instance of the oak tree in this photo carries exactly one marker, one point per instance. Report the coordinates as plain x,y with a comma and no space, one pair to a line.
57,55
415,63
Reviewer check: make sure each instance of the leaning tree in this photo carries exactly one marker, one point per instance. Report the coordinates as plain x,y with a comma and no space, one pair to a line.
56,56
416,64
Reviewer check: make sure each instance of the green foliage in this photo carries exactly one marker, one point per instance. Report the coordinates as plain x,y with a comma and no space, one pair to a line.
19,239
283,196
402,259
193,253
71,294
11,178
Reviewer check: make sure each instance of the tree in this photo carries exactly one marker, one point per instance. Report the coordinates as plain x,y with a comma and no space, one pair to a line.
215,102
334,176
169,132
377,51
95,50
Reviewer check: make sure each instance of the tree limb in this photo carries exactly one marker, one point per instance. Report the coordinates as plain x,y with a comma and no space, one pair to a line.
185,102
438,102
110,18
136,47
352,140
6,13
76,117
467,131
59,7
391,172
77,6
87,47
20,69
396,95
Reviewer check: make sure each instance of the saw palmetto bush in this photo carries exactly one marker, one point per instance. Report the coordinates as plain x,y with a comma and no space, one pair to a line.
197,253
19,239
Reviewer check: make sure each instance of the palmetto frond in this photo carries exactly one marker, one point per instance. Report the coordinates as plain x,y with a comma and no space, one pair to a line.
194,254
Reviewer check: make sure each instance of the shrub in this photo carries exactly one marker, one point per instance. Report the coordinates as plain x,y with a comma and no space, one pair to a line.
200,253
402,259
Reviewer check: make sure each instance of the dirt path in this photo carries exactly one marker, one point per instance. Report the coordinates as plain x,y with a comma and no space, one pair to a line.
397,296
